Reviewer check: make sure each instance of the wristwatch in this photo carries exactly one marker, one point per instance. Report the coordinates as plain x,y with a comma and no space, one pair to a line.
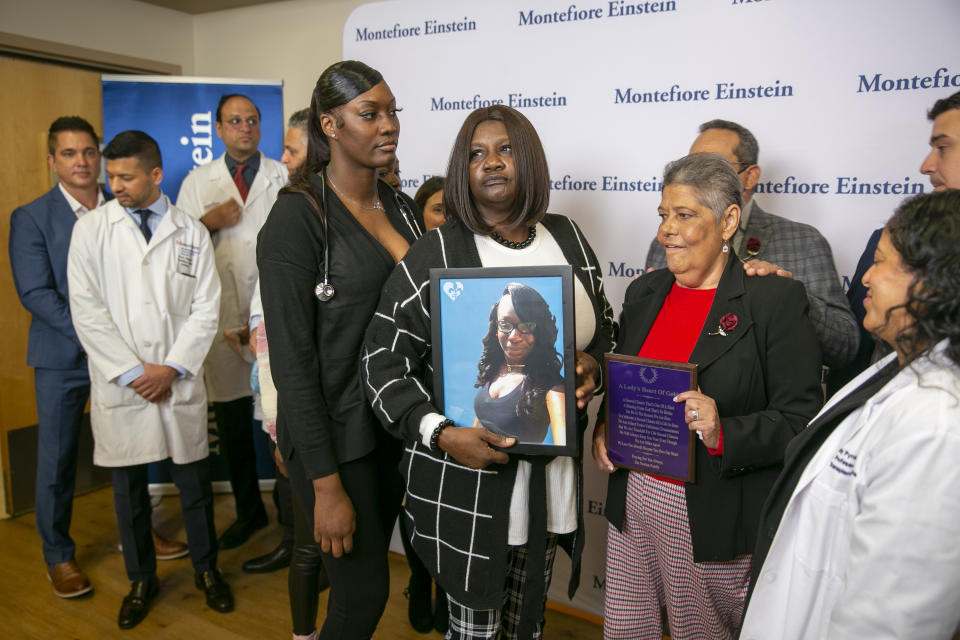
435,436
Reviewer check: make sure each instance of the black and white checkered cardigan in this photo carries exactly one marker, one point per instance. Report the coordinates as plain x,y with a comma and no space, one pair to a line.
459,516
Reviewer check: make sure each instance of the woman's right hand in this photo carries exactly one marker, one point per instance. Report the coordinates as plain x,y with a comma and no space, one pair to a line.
600,449
334,519
471,446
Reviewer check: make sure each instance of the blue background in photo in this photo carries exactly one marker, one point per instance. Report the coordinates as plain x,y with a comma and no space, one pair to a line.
465,321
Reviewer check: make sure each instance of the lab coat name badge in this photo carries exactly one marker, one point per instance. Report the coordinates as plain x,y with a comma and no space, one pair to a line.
187,258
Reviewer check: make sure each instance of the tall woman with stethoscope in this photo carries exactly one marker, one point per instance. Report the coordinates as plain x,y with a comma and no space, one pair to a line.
324,253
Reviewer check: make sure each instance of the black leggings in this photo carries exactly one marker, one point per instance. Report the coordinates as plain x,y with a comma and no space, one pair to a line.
360,580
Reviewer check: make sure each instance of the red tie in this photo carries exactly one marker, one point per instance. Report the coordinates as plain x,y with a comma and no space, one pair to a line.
240,182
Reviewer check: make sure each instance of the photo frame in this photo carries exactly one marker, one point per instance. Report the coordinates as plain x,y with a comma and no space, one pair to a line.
514,383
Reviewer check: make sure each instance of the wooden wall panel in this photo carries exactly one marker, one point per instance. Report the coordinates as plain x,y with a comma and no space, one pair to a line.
33,95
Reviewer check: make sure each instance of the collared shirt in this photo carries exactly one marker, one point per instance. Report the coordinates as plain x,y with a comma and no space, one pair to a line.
158,207
75,206
249,172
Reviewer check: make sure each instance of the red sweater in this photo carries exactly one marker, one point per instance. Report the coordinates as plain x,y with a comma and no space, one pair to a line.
675,332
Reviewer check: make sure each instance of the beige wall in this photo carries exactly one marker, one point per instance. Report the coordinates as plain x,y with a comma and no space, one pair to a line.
293,41
125,27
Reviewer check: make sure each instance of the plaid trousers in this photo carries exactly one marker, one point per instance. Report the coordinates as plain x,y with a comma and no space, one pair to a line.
480,624
650,568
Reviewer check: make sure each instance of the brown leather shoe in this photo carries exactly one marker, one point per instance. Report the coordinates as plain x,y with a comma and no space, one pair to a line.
68,580
168,549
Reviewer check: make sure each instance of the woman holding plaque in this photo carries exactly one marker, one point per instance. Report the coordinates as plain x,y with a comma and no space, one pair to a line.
332,238
685,547
485,523
521,389
867,503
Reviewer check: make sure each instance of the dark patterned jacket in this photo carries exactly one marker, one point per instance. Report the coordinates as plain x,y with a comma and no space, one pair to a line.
458,516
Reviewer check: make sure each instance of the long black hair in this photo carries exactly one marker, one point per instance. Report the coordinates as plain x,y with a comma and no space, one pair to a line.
543,363
925,230
339,83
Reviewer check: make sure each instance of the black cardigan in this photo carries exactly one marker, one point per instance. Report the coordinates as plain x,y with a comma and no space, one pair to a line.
322,412
464,543
765,378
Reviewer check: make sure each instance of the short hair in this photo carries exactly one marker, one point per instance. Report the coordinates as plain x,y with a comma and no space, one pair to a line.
925,231
69,123
944,104
427,189
298,120
531,173
747,150
710,175
227,96
543,363
134,144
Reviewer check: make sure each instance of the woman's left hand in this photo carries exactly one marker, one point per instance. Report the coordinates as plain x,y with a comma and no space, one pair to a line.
701,415
587,371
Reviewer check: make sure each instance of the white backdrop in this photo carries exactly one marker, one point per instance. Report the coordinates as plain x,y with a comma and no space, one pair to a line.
836,93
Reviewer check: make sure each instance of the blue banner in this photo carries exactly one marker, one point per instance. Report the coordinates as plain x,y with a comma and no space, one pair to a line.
179,113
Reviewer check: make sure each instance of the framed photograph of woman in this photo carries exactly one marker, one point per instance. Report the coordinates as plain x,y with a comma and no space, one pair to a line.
504,353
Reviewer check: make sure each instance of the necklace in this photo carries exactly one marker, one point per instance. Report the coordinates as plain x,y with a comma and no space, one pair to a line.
514,368
376,201
531,234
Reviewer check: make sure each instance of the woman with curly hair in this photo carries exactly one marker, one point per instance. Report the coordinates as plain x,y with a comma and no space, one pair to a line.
859,535
521,388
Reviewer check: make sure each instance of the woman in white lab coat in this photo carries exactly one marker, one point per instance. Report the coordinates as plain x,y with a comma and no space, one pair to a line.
860,536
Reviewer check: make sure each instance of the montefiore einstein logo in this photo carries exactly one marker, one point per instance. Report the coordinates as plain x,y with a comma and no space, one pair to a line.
878,83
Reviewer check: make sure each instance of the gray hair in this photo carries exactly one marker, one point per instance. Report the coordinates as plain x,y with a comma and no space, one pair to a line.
712,178
747,151
299,120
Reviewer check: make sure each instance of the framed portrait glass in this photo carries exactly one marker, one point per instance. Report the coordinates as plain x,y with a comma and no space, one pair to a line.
504,354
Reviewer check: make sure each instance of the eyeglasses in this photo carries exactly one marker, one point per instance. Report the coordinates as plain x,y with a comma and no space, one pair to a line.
743,164
250,122
525,328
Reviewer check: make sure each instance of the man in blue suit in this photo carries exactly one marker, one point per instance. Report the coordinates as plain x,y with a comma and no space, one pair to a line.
39,239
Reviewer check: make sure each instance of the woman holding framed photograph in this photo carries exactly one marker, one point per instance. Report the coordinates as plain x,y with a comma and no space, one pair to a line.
485,523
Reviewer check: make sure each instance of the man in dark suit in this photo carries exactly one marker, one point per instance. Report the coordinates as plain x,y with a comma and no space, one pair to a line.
773,244
39,238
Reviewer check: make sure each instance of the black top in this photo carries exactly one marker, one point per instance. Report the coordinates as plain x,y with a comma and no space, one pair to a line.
500,415
322,412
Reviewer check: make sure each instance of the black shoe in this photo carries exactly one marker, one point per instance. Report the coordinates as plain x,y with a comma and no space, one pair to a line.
418,609
137,602
441,617
279,558
241,530
217,591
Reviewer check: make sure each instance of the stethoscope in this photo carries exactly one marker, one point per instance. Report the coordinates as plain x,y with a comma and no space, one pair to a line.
325,289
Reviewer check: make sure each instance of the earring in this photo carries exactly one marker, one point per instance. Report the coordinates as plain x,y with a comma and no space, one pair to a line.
333,135
726,248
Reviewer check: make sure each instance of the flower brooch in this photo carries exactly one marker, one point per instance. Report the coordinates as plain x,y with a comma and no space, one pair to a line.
728,322
753,247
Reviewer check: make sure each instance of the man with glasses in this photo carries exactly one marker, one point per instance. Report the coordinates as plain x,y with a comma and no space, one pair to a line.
771,244
232,196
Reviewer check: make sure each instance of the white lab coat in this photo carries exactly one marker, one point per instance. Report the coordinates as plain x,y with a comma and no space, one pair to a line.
227,373
133,303
869,543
